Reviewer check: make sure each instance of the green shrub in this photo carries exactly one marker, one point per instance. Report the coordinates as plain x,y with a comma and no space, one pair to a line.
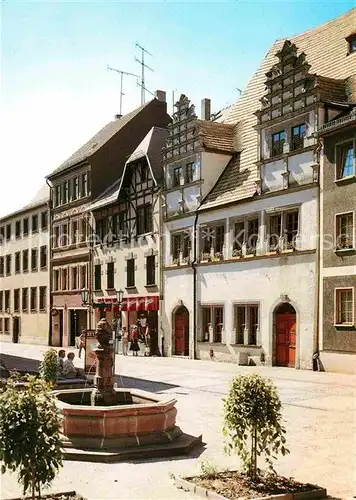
30,433
253,422
49,367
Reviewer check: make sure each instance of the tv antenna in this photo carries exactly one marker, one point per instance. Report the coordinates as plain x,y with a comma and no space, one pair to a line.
143,67
122,73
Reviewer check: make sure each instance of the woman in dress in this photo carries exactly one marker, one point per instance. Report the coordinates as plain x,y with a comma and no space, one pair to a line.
134,347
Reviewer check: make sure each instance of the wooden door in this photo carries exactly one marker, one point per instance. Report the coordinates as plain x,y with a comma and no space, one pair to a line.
285,339
181,332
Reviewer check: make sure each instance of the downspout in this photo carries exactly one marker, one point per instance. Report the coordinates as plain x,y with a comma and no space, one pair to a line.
315,361
50,262
194,267
161,276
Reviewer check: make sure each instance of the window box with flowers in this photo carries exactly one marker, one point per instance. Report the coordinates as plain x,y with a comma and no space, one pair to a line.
185,261
236,253
217,256
205,257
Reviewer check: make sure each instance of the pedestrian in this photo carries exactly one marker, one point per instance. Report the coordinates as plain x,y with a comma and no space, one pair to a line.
80,341
147,344
60,362
134,347
125,340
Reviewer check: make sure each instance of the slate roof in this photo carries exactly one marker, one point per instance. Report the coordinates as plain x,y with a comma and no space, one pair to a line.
98,140
326,52
151,148
216,136
332,90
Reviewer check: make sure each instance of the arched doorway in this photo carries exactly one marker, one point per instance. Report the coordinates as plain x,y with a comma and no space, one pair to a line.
181,331
285,334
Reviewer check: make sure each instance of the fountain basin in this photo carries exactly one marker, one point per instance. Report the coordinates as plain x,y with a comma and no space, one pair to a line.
142,423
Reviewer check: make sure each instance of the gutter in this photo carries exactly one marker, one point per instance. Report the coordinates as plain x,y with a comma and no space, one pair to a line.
50,256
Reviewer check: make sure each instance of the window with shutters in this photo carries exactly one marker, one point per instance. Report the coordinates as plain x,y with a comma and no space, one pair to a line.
130,273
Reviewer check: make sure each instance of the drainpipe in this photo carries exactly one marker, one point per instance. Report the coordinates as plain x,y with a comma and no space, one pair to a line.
316,363
50,262
194,267
161,276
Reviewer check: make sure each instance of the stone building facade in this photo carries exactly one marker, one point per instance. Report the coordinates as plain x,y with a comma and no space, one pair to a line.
24,276
338,244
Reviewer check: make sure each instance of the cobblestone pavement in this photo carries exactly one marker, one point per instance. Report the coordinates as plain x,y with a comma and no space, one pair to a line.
319,409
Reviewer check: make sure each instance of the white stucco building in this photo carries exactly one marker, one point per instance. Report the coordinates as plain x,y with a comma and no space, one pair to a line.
24,276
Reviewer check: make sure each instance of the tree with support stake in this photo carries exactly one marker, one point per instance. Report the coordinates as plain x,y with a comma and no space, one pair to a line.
253,423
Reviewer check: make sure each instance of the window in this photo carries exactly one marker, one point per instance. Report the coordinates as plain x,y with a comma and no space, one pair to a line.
151,270
33,299
252,236
2,266
1,326
83,277
24,261
1,301
25,299
212,323
74,283
344,307
239,238
74,235
181,246
8,265
57,196
101,226
18,229
56,236
64,278
278,140
7,300
43,298
298,134
6,325
284,228
119,225
144,219
56,279
97,277
213,238
143,170
17,300
64,239
110,275
345,160
34,223
130,277
25,226
8,231
352,43
190,173
75,188
246,323
43,257
177,176
17,262
34,259
84,185
344,231
64,192
2,234
44,221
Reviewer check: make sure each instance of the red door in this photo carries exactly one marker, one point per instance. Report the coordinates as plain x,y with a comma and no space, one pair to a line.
181,332
285,339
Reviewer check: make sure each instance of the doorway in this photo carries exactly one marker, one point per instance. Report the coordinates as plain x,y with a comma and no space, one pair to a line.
181,331
77,323
285,335
15,329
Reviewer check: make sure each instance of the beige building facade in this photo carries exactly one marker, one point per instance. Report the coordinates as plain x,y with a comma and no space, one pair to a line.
24,277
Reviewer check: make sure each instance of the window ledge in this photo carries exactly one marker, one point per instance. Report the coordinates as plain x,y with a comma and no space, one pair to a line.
110,289
346,251
44,268
42,311
344,326
97,290
346,180
153,285
132,287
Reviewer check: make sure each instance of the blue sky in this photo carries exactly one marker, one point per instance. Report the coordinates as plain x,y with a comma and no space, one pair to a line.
56,91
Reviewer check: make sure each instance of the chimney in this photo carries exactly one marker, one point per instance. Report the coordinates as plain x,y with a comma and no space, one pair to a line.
117,117
160,95
205,109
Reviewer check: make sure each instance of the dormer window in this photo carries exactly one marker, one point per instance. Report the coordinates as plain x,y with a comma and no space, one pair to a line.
298,134
143,172
351,40
278,140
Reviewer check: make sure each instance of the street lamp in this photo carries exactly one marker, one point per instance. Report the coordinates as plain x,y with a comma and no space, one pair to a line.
85,296
119,296
86,301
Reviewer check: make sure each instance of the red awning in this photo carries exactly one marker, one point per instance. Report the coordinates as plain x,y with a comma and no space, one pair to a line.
148,303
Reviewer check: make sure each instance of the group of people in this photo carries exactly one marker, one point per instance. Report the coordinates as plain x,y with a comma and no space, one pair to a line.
66,368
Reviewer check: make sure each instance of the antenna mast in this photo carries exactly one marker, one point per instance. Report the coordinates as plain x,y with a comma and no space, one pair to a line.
143,66
122,73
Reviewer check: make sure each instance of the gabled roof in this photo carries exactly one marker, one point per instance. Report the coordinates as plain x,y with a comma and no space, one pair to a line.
149,148
216,136
41,198
98,140
325,48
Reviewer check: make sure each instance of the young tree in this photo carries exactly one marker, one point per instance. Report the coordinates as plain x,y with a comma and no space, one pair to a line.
49,366
30,433
253,422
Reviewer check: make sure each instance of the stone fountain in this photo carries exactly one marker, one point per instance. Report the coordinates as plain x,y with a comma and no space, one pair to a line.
108,424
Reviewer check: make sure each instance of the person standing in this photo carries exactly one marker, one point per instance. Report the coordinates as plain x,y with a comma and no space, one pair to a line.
125,340
134,347
81,343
